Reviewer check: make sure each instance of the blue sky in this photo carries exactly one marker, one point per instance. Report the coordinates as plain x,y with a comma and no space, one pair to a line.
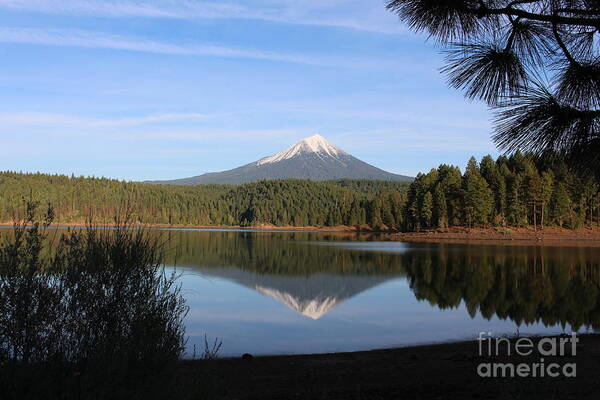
168,89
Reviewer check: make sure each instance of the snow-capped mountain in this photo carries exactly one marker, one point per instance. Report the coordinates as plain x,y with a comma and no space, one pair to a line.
313,158
316,144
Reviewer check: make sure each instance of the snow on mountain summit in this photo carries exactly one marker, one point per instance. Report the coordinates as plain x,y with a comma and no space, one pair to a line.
313,158
314,144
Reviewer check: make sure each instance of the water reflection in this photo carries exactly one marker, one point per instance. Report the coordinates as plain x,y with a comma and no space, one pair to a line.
312,273
274,292
311,296
554,286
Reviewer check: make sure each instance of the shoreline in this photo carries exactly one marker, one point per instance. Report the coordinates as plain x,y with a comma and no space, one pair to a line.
454,235
549,236
258,228
444,371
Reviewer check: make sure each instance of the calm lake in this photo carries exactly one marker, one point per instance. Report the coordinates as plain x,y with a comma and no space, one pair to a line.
286,293
306,292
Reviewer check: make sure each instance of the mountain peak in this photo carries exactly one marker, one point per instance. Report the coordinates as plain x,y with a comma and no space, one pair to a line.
316,141
313,158
313,144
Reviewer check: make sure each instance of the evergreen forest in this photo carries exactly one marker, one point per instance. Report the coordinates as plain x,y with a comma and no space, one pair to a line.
515,191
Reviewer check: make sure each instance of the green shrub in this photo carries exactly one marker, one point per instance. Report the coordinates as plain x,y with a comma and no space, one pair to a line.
89,315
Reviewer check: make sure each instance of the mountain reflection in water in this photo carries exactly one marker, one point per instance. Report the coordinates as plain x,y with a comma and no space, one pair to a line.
311,296
312,273
302,292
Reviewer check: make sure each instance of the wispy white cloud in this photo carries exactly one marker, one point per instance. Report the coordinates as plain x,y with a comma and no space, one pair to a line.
52,120
153,127
87,39
130,8
447,138
350,14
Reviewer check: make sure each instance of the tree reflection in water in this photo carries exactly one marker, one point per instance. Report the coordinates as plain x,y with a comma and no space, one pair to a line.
524,284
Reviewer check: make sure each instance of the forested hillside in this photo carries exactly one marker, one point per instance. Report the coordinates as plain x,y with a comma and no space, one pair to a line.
516,191
282,203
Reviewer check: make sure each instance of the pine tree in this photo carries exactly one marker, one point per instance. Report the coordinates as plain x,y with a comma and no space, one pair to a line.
547,191
413,212
450,179
536,61
478,197
561,204
490,172
427,209
440,207
535,194
517,210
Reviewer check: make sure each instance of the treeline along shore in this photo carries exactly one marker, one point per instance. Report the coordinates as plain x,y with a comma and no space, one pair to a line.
510,192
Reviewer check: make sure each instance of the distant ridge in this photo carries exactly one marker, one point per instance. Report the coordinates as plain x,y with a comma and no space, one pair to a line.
312,158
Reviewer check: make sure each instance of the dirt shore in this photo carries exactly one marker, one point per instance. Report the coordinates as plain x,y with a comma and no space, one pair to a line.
443,371
552,236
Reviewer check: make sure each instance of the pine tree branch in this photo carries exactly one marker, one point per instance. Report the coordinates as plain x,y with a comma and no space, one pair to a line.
519,2
562,45
578,11
513,32
483,11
